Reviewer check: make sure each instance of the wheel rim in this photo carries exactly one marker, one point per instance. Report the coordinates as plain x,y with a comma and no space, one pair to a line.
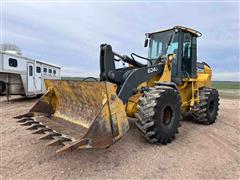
211,106
167,115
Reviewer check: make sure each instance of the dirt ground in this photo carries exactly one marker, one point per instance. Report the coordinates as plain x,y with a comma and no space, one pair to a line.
199,151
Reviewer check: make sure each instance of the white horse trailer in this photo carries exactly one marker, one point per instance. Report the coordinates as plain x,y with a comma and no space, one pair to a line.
24,76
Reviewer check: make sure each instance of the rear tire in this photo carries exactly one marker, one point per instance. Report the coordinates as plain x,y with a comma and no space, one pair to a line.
159,114
207,111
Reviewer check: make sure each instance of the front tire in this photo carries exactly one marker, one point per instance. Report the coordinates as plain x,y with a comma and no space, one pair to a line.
207,111
159,114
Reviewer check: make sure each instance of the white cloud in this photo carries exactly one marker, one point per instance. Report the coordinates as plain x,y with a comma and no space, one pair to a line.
69,34
226,76
13,36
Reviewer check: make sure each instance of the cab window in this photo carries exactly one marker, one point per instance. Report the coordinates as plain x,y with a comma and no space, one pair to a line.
188,55
173,49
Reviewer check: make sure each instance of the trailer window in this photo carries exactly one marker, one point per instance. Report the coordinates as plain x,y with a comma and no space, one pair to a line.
44,70
54,71
30,70
12,62
50,71
38,69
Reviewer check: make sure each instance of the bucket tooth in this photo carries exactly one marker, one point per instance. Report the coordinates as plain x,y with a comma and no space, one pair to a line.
70,146
24,120
58,141
41,130
27,115
50,135
35,126
29,122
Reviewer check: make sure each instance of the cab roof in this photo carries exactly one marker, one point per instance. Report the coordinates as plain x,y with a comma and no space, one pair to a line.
195,32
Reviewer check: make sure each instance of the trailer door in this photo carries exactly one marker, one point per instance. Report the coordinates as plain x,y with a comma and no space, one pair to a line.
38,77
30,78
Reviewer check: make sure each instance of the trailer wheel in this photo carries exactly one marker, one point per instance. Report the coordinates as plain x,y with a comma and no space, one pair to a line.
2,87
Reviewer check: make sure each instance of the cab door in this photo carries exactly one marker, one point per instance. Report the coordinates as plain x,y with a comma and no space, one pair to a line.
189,55
30,78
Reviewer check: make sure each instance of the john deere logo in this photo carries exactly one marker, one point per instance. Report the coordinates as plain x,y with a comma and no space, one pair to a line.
151,70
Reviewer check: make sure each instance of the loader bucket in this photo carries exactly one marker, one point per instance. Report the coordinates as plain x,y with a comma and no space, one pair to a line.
78,114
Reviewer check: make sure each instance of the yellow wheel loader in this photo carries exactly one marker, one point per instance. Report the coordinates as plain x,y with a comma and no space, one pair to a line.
156,91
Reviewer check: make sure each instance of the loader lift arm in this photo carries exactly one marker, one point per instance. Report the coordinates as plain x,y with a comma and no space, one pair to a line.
127,79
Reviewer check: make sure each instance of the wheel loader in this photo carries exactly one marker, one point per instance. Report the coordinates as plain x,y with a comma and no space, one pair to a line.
155,90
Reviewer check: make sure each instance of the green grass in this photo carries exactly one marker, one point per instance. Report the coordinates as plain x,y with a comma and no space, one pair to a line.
76,78
71,78
227,89
226,85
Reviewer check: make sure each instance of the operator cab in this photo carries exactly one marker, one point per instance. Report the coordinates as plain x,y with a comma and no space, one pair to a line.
179,41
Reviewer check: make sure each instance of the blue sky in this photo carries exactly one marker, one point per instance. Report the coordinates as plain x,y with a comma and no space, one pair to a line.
69,34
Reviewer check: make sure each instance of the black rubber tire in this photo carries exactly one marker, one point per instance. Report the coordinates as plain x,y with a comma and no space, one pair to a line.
207,111
2,87
159,114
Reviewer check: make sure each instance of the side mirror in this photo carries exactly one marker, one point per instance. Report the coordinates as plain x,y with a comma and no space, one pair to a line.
146,42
